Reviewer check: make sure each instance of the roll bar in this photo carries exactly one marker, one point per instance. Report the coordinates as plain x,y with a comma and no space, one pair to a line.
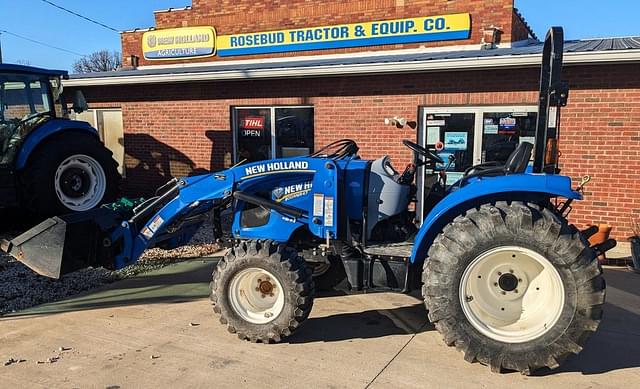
553,95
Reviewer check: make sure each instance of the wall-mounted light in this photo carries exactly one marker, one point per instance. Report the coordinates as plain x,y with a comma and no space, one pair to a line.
399,122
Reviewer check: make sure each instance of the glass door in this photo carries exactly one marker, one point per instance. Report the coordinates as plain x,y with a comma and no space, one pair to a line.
452,134
450,131
473,135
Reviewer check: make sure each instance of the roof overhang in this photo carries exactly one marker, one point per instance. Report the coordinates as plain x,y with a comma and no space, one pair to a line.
387,67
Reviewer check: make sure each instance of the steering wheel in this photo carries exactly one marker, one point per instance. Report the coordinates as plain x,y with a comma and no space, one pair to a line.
419,150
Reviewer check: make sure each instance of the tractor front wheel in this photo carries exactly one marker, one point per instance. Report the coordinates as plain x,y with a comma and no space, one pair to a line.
513,286
262,291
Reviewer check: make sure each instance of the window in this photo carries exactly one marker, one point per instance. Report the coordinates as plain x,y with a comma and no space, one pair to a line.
261,133
502,132
22,96
25,103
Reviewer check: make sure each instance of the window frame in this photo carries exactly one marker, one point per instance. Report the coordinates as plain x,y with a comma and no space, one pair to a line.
272,129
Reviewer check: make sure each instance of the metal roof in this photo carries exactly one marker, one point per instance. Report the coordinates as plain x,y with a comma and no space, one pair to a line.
7,67
576,52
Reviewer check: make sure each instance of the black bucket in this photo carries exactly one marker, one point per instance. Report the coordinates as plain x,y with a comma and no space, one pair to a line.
64,244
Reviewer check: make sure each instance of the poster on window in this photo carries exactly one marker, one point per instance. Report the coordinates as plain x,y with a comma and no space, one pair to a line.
491,129
445,155
455,140
507,123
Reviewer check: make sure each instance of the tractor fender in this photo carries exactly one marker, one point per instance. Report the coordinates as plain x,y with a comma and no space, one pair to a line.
529,187
41,133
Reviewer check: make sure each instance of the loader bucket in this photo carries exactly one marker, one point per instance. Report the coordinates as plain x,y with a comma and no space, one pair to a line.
64,244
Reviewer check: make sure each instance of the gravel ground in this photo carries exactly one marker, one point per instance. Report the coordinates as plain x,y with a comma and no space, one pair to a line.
21,288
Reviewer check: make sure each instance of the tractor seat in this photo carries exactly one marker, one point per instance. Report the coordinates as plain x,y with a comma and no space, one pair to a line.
516,163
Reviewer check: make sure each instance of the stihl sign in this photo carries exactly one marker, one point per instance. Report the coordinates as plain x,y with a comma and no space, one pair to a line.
253,123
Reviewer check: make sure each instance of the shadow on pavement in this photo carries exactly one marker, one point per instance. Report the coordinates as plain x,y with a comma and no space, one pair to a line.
181,282
623,279
363,325
616,344
606,350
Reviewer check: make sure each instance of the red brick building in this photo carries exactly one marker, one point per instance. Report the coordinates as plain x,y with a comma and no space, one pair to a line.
265,79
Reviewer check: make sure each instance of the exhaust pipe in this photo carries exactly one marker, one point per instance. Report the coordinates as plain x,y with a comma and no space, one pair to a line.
64,244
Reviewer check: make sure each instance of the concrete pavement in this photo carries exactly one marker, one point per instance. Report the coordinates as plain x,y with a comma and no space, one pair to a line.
377,340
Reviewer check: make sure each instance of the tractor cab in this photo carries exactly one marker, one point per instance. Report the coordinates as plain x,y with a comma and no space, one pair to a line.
29,97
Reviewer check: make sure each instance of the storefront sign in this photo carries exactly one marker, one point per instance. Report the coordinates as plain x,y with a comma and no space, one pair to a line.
411,30
179,43
253,122
252,126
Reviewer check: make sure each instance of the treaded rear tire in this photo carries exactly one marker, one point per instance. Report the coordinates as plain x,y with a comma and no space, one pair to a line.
290,270
535,228
37,178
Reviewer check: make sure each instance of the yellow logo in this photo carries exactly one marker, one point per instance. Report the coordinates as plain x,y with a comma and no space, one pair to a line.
179,43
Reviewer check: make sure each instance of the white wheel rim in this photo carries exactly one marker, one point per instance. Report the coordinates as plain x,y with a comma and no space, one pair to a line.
80,182
256,295
504,313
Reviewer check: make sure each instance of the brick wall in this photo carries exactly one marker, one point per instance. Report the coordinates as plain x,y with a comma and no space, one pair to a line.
601,137
171,130
243,16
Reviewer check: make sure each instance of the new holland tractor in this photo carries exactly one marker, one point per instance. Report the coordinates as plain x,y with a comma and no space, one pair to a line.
505,277
49,164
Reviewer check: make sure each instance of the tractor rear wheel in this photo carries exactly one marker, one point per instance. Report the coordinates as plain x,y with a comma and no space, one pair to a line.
262,291
69,173
513,286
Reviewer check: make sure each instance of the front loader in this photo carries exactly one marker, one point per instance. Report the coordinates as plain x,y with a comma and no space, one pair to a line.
505,277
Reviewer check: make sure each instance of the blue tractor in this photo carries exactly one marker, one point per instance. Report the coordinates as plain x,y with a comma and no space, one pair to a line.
505,277
49,164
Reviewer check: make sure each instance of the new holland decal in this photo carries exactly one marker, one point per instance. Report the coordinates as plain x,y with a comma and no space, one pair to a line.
292,191
276,167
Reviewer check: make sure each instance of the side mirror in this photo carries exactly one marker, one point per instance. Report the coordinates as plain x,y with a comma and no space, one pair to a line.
79,102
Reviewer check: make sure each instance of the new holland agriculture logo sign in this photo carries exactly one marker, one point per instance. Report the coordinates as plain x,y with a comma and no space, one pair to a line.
190,42
173,43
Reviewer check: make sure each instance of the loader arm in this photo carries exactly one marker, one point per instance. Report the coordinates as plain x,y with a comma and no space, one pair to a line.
116,239
176,218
